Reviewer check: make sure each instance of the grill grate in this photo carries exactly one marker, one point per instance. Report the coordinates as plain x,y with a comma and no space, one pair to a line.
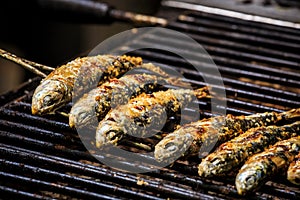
42,158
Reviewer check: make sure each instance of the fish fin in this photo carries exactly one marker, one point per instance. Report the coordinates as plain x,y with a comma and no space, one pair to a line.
293,113
202,92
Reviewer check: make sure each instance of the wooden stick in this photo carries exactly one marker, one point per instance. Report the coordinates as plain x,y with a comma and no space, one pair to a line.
63,114
40,66
29,65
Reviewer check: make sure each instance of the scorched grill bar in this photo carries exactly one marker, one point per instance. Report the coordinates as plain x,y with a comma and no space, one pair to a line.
42,158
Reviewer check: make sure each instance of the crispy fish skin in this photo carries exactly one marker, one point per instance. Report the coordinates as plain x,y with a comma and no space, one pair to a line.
262,166
57,88
188,139
99,70
143,114
95,104
293,172
234,152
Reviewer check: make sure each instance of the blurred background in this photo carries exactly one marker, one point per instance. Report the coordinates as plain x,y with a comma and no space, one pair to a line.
26,32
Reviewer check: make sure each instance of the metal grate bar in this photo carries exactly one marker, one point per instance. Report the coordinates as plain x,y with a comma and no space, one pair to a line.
235,83
197,19
278,30
26,118
234,36
9,192
166,188
51,186
226,56
36,132
225,71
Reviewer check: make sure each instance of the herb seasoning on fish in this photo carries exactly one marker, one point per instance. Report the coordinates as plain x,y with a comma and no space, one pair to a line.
57,88
95,104
262,166
234,152
143,114
188,139
293,172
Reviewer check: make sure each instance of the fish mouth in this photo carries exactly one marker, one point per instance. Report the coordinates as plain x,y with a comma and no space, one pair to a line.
44,110
172,147
246,182
49,97
35,110
85,118
83,112
38,109
214,166
108,134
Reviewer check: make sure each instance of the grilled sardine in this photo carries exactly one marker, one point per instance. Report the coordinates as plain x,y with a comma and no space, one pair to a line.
233,153
143,114
190,138
57,88
262,166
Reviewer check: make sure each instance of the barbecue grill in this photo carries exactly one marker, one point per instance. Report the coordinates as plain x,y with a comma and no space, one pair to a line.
43,158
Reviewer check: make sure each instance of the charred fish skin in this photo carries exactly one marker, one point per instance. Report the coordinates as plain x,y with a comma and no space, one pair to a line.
110,67
57,88
233,153
143,114
293,172
95,104
262,166
203,133
183,141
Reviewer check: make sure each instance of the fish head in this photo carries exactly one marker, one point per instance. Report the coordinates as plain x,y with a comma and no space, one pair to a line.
108,132
49,96
172,147
83,113
216,163
248,179
81,117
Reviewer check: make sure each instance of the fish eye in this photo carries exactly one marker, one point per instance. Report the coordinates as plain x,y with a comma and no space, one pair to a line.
48,100
250,180
171,146
81,115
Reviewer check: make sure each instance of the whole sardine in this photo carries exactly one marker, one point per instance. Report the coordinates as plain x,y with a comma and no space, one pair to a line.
57,88
262,166
143,114
95,104
293,173
188,139
233,153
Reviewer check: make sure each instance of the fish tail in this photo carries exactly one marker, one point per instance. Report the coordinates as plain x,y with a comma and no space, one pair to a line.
293,113
180,82
293,128
202,92
156,69
131,59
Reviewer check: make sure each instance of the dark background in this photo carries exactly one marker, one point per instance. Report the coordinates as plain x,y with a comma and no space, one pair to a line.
30,33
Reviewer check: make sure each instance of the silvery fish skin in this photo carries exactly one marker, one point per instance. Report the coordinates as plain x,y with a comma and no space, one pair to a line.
143,113
260,167
95,104
233,153
57,88
188,139
293,172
